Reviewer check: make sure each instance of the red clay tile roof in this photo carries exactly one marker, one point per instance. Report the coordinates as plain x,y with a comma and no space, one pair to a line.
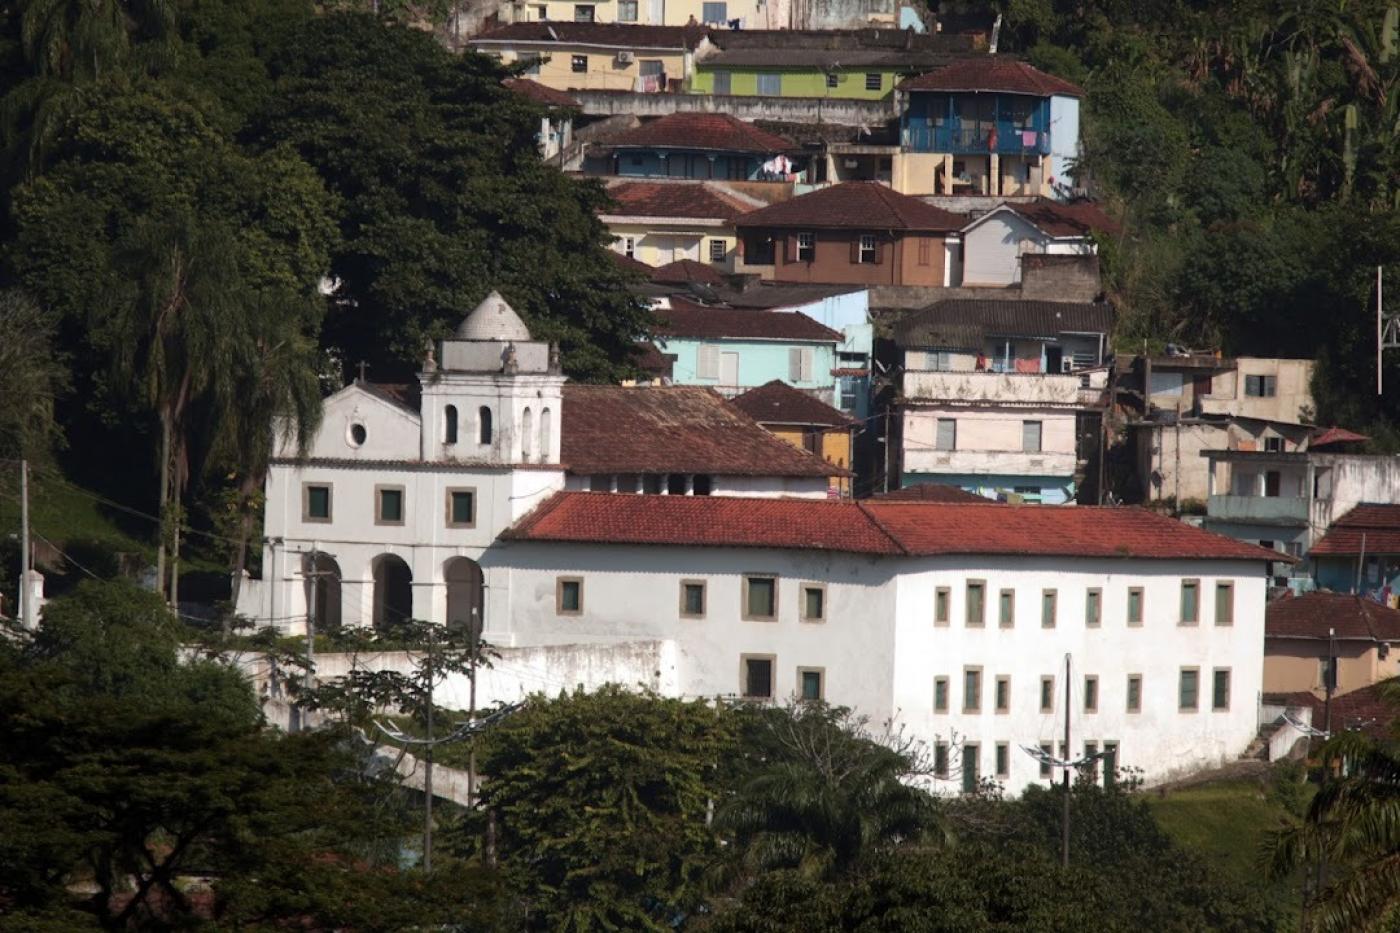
1068,531
1379,523
672,199
631,265
541,94
854,205
712,132
1326,436
612,35
875,527
687,270
672,429
1068,219
652,361
929,492
1311,615
686,319
1367,710
992,73
706,521
777,402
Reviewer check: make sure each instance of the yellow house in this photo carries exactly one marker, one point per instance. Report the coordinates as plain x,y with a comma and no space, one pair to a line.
661,222
570,56
803,421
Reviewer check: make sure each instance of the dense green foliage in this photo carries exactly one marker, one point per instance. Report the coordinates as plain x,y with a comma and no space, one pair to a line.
127,766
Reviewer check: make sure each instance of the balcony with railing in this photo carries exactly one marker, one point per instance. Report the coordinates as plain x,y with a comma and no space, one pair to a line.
1005,388
1003,137
1259,510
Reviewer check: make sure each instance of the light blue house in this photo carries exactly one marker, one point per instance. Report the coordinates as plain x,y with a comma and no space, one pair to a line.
733,350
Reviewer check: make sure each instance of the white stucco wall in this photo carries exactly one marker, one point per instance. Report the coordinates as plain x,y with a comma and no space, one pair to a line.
881,648
1160,739
1064,141
992,249
989,441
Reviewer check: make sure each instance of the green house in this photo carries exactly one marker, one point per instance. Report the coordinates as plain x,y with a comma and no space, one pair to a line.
845,65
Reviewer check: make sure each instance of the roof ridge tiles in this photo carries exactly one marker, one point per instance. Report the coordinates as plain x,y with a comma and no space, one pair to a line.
875,520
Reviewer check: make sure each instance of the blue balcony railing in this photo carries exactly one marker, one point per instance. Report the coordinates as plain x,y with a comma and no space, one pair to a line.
1002,137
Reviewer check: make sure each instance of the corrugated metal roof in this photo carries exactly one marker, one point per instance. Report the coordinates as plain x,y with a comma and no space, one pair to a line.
967,323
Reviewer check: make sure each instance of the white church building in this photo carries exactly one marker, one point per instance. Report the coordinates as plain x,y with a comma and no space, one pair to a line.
656,536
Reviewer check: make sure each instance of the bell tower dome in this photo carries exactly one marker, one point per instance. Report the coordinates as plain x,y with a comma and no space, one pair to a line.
492,393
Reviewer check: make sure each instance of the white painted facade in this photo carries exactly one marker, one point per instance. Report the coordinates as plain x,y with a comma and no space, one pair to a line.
880,648
994,244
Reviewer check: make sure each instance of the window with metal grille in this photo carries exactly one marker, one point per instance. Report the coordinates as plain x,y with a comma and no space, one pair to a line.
874,81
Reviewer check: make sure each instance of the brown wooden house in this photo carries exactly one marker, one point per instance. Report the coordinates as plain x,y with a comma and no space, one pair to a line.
859,232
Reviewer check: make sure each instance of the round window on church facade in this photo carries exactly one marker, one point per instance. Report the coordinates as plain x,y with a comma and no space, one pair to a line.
357,435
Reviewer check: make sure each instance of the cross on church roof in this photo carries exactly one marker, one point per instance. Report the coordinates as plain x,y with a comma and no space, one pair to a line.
362,366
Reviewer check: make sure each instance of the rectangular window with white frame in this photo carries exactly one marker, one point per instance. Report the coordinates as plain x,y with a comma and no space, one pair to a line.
868,249
629,247
627,11
707,362
800,362
806,246
719,251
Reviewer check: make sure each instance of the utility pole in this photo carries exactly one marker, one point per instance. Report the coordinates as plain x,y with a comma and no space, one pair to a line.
26,607
1064,816
474,634
428,762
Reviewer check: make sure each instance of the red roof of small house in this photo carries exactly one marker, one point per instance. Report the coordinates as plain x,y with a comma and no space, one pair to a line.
1368,710
672,429
1378,524
1066,219
854,205
672,199
712,132
687,319
610,35
878,527
630,264
929,492
541,94
704,521
992,73
777,402
683,271
1325,436
1313,614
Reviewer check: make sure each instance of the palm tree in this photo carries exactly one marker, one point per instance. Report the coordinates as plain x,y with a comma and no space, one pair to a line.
1353,826
279,402
176,335
87,39
825,796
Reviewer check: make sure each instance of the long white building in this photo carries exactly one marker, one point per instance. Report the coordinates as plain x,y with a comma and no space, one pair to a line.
950,620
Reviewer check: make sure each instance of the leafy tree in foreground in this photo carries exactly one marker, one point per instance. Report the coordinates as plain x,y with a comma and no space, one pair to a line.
600,804
817,792
31,377
125,766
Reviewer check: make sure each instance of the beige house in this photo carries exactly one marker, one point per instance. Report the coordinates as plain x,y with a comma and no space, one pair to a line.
1298,630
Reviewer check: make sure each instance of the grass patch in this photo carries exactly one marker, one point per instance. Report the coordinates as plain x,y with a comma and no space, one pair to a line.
1228,822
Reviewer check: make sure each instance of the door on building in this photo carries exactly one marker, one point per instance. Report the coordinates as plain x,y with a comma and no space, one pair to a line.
1271,483
729,369
1054,359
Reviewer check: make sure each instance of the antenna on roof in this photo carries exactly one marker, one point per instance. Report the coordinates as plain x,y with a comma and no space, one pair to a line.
555,36
996,32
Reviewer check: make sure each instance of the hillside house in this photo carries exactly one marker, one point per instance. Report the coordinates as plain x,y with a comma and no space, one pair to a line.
804,421
702,146
992,125
1303,633
732,349
994,244
859,232
1360,552
659,223
993,393
597,56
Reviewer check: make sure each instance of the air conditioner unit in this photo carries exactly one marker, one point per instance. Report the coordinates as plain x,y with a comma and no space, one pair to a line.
1067,365
626,58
